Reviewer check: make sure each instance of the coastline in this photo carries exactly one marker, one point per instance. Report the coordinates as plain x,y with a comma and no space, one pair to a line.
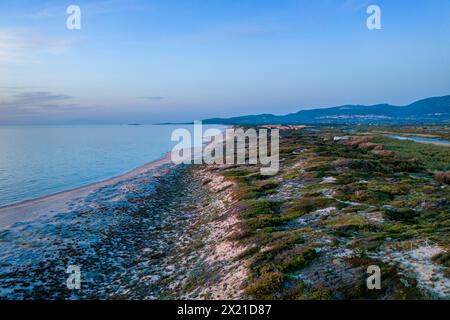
60,201
208,232
163,234
54,203
160,231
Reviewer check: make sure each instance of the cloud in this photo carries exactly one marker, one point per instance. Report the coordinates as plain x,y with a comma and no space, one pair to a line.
22,45
36,103
16,88
39,97
154,98
93,9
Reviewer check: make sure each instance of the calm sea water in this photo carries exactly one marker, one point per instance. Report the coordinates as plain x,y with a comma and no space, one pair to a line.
420,139
38,161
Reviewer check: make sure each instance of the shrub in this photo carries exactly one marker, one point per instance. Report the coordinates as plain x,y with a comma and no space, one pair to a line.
255,208
296,259
319,294
266,286
443,259
442,177
399,214
248,253
308,204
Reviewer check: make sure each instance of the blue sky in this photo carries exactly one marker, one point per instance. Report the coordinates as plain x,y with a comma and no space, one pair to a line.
181,60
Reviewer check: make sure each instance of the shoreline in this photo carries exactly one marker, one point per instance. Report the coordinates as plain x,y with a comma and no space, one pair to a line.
441,143
58,202
131,239
52,204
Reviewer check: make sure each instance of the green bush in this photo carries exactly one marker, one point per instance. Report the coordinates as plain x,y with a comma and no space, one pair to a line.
292,260
266,286
255,208
400,214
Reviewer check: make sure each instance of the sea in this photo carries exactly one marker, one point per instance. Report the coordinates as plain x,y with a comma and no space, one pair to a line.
37,161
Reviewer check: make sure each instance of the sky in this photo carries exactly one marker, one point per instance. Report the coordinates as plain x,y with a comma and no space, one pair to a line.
136,61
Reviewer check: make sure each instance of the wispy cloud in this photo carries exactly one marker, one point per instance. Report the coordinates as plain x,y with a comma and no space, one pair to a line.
92,8
16,88
154,98
22,45
36,102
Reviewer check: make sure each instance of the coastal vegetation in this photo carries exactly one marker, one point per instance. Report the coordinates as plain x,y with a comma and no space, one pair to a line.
346,198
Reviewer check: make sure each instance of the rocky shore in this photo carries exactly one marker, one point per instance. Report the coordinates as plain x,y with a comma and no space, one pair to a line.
158,235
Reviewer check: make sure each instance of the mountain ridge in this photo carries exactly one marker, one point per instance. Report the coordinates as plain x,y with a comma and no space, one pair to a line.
428,110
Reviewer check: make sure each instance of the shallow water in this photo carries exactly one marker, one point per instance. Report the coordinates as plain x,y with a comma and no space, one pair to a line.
420,139
40,160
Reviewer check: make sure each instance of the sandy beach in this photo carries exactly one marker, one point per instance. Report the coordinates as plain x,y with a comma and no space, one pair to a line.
61,201
146,234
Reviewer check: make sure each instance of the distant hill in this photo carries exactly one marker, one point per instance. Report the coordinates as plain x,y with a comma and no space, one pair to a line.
430,110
